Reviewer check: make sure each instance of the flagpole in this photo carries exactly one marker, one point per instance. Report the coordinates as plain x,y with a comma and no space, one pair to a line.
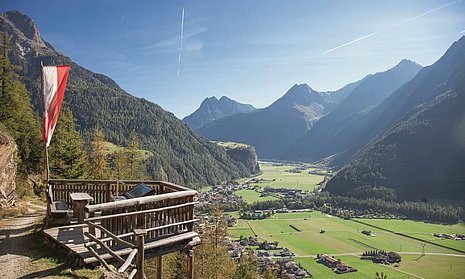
47,171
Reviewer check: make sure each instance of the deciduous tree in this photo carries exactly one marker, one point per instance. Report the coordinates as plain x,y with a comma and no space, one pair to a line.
99,160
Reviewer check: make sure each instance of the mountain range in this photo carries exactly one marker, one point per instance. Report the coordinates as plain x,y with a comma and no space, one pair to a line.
180,155
416,137
212,109
290,120
272,129
333,135
401,129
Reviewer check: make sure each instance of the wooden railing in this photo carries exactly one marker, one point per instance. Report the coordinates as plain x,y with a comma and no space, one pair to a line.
160,215
167,221
162,222
102,190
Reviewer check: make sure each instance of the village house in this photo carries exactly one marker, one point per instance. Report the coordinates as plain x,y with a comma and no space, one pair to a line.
338,266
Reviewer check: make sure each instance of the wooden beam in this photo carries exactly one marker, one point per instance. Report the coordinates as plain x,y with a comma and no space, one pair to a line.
138,201
97,256
171,240
160,267
190,264
112,236
140,212
114,181
105,247
118,237
128,261
140,234
133,272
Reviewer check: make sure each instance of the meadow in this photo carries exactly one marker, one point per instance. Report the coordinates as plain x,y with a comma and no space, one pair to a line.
277,175
344,238
111,148
251,196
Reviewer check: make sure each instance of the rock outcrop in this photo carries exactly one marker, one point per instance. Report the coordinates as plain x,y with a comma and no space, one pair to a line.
7,168
242,153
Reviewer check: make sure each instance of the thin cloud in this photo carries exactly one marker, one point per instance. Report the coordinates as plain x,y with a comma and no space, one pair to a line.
172,43
393,26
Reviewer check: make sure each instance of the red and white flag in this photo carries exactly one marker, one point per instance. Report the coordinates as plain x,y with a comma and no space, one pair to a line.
54,84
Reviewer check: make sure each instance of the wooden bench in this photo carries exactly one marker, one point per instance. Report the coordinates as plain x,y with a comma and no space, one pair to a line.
57,211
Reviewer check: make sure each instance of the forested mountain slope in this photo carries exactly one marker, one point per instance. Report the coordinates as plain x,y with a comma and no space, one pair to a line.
423,154
327,138
181,156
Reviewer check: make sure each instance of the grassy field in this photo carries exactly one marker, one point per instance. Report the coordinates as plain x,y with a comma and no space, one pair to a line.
205,189
251,196
422,230
275,176
111,148
365,269
344,237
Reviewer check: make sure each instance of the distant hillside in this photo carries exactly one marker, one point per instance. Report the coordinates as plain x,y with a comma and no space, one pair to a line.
212,109
180,155
423,154
330,135
272,129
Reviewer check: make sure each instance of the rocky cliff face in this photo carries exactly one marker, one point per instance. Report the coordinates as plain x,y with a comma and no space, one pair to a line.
7,168
242,153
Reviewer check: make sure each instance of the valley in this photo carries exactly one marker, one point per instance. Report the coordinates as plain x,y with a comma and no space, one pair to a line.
318,158
343,239
275,175
309,232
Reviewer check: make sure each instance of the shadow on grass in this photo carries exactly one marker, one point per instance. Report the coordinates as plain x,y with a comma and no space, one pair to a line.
59,270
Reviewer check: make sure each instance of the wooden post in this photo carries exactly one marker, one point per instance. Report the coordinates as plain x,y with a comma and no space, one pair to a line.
190,264
140,235
91,228
107,192
160,267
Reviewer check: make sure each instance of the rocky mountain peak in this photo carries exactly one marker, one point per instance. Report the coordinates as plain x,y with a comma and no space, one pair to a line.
24,25
408,65
299,94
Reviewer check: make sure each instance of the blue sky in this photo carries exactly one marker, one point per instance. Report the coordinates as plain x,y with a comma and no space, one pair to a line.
251,51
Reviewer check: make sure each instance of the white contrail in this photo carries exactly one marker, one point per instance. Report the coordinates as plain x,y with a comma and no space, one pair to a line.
392,26
180,45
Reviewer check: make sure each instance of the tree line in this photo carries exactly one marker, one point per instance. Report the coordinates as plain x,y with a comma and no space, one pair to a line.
348,207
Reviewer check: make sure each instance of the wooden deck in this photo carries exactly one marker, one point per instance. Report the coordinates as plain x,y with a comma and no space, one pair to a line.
72,238
123,231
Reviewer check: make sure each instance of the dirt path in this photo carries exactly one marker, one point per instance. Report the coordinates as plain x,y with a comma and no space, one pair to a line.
15,243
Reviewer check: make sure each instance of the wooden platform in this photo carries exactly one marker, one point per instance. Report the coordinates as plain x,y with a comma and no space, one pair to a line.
72,238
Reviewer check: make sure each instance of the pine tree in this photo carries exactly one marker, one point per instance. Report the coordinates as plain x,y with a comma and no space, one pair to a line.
99,161
67,156
17,115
